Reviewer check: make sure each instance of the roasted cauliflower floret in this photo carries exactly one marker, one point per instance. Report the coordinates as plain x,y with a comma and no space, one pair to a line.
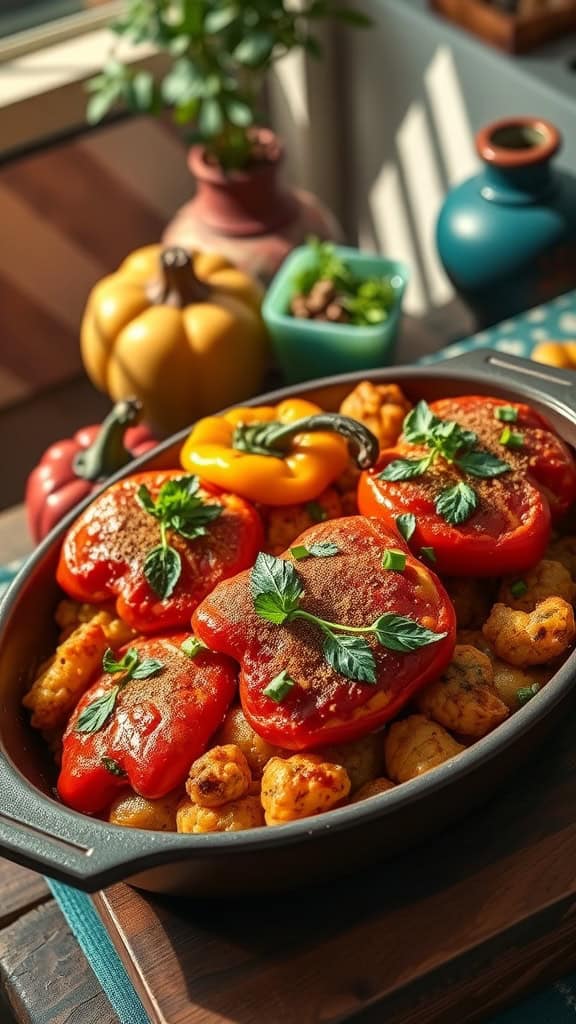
508,680
471,598
531,638
286,522
464,698
235,729
221,775
416,745
65,677
301,786
233,817
134,811
546,579
380,407
361,758
70,614
564,550
372,788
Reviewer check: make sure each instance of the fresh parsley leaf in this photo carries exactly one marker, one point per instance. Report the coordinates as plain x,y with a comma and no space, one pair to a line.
482,464
506,413
146,668
400,633
112,766
456,504
279,687
406,524
276,588
525,693
95,715
405,469
419,423
429,554
126,664
162,569
191,646
146,500
351,656
324,549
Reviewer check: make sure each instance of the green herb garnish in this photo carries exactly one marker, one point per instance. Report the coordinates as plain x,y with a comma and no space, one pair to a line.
191,646
279,687
277,590
406,469
394,560
506,413
366,302
525,693
324,549
112,766
316,512
406,524
180,508
518,588
456,504
430,554
97,713
511,438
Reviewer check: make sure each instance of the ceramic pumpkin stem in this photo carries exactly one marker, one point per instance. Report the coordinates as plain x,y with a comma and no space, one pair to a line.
108,453
179,286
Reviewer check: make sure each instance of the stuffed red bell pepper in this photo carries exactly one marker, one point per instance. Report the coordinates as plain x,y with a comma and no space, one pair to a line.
334,637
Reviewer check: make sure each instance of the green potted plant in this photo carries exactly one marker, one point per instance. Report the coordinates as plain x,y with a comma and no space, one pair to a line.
219,54
332,309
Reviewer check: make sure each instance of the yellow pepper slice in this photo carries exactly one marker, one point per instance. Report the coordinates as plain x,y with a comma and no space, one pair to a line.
276,455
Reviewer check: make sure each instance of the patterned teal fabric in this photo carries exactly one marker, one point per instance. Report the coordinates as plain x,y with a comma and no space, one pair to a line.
556,1005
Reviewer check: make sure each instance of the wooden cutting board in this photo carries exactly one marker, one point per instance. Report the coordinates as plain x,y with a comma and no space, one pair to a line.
451,932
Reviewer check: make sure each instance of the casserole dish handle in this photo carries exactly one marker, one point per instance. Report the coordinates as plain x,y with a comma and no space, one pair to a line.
552,389
47,837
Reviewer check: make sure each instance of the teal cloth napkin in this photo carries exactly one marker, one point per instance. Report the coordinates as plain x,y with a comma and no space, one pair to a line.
555,1005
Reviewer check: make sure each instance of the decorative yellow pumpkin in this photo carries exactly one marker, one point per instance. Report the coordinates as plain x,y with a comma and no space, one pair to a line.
182,332
556,353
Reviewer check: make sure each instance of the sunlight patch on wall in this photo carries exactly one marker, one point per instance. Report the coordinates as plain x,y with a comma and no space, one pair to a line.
394,233
450,116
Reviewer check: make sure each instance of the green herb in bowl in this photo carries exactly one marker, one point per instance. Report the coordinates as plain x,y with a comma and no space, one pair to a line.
328,290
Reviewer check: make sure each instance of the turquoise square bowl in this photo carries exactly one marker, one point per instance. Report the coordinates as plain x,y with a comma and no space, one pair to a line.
306,349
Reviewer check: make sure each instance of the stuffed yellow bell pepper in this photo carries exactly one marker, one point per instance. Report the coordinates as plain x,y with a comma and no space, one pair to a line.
277,455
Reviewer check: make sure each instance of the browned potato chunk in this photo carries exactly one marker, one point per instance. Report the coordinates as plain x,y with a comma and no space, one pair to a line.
286,522
547,579
416,745
235,729
380,407
531,638
464,698
66,676
236,816
508,680
134,811
221,775
301,786
361,758
471,598
564,550
372,788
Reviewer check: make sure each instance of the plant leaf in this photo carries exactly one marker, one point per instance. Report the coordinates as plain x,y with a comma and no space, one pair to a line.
144,498
96,714
219,19
126,664
146,668
276,588
405,469
456,504
419,423
162,568
255,49
401,633
406,524
351,656
482,464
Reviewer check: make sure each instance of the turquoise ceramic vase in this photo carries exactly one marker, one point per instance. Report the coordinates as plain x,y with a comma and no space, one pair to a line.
507,236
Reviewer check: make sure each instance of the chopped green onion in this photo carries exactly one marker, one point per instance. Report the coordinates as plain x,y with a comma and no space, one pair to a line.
429,553
299,552
395,560
279,687
525,693
191,646
511,438
518,588
506,414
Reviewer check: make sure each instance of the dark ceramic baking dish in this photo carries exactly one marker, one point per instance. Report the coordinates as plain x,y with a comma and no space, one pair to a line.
37,831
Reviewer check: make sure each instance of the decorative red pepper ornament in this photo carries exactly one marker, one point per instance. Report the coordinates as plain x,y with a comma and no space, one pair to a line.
334,637
72,468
